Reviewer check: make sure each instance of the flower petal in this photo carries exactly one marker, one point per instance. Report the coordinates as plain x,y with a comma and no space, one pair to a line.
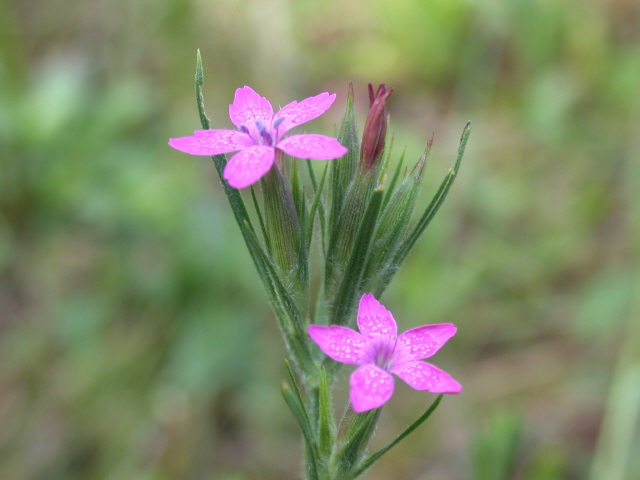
424,376
297,113
249,107
371,387
340,343
211,142
375,321
248,166
316,147
422,342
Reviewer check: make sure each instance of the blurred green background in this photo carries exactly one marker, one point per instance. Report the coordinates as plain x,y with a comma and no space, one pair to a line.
135,339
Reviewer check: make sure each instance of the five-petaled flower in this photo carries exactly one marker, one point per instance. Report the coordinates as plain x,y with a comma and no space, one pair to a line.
380,352
260,134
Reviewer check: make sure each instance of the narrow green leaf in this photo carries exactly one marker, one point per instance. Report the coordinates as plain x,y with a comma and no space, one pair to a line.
326,420
344,237
316,206
265,236
354,443
284,228
199,98
266,271
301,208
278,295
344,169
442,192
343,231
396,175
298,398
297,191
427,216
320,314
286,313
299,347
348,291
370,460
297,408
296,390
280,298
286,309
392,226
312,175
384,165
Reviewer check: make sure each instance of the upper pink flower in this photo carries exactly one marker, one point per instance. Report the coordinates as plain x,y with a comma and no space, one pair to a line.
380,352
260,133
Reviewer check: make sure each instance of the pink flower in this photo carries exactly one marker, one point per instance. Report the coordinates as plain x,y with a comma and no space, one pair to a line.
260,133
380,352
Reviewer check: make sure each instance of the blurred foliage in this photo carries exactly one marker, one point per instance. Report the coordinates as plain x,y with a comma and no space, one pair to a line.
135,340
495,450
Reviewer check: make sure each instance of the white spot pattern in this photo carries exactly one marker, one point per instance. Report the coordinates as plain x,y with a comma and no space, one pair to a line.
297,113
248,106
248,165
371,387
422,342
375,321
424,376
316,147
339,343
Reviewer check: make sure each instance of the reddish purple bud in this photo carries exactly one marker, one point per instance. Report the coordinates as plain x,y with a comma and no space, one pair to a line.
375,127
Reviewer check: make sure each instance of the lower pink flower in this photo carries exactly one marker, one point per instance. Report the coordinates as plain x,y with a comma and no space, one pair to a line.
380,352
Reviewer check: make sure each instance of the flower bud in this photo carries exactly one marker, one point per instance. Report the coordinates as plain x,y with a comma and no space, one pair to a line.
375,128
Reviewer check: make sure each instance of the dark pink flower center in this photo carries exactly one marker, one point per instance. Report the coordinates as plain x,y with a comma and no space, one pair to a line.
265,136
381,352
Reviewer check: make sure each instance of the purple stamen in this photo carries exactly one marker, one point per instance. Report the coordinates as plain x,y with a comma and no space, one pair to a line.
278,122
264,134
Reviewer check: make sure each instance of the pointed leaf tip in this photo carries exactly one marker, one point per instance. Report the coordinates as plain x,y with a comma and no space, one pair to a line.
466,131
376,456
199,81
199,69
